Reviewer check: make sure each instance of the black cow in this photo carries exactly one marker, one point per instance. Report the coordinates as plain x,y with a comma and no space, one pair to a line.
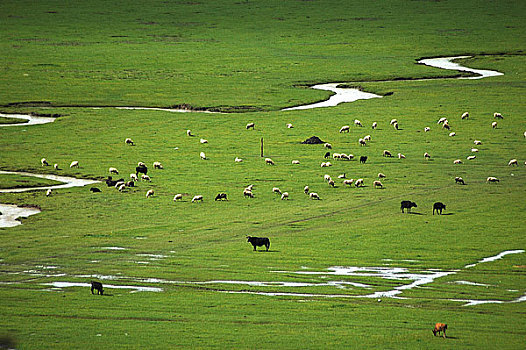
95,189
363,159
407,205
141,169
259,241
221,196
327,155
111,183
438,206
97,286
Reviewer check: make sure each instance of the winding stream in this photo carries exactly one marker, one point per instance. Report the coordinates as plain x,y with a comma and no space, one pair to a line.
31,120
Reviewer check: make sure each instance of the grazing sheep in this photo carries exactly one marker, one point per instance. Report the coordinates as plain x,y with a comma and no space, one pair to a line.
401,156
497,115
442,120
146,177
284,195
306,189
203,141
427,155
248,193
55,166
295,161
513,162
220,196
331,183
119,183
440,327
289,126
363,159
395,125
386,153
393,121
438,206
202,155
314,195
326,177
157,165
336,155
407,205
276,190
250,126
341,176
457,161
113,171
141,164
464,115
375,125
471,157
477,142
269,161
238,160
451,134
325,164
358,183
48,192
362,142
74,164
358,123
492,179
381,175
367,138
377,183
348,182
189,133
95,189
474,150
123,186
345,128
525,134
327,155
129,141
327,145
130,184
178,197
44,162
197,198
134,177
446,125
427,128
349,156
250,187
459,180
494,125
149,193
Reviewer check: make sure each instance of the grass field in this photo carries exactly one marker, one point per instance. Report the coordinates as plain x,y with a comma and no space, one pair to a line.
250,59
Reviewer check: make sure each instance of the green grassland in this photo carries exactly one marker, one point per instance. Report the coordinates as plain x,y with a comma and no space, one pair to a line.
253,58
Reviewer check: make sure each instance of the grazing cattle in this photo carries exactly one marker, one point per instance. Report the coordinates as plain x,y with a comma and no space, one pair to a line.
459,180
363,159
259,241
110,182
327,155
440,327
98,287
141,169
95,190
407,205
438,206
221,196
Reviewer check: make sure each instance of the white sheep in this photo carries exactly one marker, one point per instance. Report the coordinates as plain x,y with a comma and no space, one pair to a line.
442,120
128,141
393,121
401,156
119,184
427,155
377,183
295,161
55,166
525,134
471,157
197,198
134,177
492,179
326,164
306,189
141,164
249,187
348,182
497,115
427,128
326,177
250,126
446,125
149,193
203,141
362,142
494,125
248,193
113,170
74,164
122,187
451,134
331,183
341,176
276,190
474,150
464,115
284,195
357,122
457,161
269,161
178,197
327,145
44,162
314,195
367,138
48,192
290,126
157,165
345,128
386,153
189,132
381,175
146,177
238,160
336,155
358,183
348,156
477,142
395,125
375,125
202,155
513,162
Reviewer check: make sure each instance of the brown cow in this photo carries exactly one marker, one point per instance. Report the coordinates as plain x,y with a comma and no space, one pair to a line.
440,327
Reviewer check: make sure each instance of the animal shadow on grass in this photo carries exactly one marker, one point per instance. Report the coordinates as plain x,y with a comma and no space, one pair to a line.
448,214
416,213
